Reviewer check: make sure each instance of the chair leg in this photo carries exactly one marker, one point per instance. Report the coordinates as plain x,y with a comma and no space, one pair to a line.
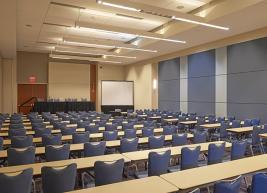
251,150
262,148
246,181
33,186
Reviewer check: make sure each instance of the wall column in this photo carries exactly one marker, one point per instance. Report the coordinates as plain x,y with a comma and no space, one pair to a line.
221,82
155,90
183,84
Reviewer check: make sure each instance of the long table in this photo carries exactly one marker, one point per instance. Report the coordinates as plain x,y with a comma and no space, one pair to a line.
187,180
153,184
82,163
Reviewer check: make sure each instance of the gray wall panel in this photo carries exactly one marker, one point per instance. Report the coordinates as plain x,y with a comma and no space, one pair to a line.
169,69
169,105
201,108
169,90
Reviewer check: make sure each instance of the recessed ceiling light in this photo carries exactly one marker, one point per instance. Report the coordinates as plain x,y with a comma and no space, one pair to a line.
180,7
28,25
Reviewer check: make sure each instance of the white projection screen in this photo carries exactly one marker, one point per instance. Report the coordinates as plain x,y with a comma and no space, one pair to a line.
117,93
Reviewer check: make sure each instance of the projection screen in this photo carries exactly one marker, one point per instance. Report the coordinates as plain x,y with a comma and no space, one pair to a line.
117,92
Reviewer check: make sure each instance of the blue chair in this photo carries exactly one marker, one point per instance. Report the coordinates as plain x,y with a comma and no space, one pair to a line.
255,122
128,145
130,133
158,162
21,141
128,126
1,143
20,156
228,186
38,125
247,123
16,132
169,130
199,137
16,182
255,140
16,126
68,130
51,140
108,172
231,118
94,148
155,142
92,128
147,132
83,124
223,134
216,153
110,135
189,157
149,124
80,137
179,139
111,127
56,153
238,150
236,124
259,183
59,179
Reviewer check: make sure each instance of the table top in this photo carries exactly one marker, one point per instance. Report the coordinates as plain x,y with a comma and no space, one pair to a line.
175,151
201,176
153,184
240,129
171,119
82,163
211,126
263,135
188,122
155,117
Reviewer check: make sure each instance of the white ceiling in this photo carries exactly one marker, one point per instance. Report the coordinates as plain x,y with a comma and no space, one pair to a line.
52,21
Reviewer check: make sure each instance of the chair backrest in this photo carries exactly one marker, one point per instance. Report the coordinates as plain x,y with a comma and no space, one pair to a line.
51,139
223,129
16,132
236,124
1,143
111,127
127,126
21,141
59,179
16,182
179,139
92,128
158,162
229,186
255,135
149,123
130,133
128,145
169,130
59,152
38,125
39,132
199,137
155,142
147,132
238,149
247,123
215,153
68,130
80,137
189,157
94,148
255,122
110,135
259,183
20,156
108,172
16,126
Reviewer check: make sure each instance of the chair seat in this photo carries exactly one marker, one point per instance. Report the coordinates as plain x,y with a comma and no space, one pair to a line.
175,168
141,174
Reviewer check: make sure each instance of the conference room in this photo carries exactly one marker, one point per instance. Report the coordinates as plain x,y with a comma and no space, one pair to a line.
136,96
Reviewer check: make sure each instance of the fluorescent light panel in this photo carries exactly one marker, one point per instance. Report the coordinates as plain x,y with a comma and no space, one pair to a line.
200,23
118,6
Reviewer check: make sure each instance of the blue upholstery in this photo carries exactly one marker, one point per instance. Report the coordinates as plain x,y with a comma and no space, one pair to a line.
228,186
236,124
199,137
155,142
16,132
238,149
110,135
147,132
216,153
108,172
94,148
16,126
39,132
16,182
59,179
149,123
247,123
255,122
179,139
38,125
92,128
130,133
1,143
169,130
21,141
189,157
68,130
20,156
111,127
259,183
55,153
158,162
128,145
80,137
51,140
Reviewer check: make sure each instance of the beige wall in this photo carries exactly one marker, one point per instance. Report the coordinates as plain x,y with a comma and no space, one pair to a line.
8,88
1,84
69,80
143,75
108,72
31,63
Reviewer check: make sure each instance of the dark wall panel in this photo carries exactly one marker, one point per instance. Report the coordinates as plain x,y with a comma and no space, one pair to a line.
201,82
169,84
247,78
